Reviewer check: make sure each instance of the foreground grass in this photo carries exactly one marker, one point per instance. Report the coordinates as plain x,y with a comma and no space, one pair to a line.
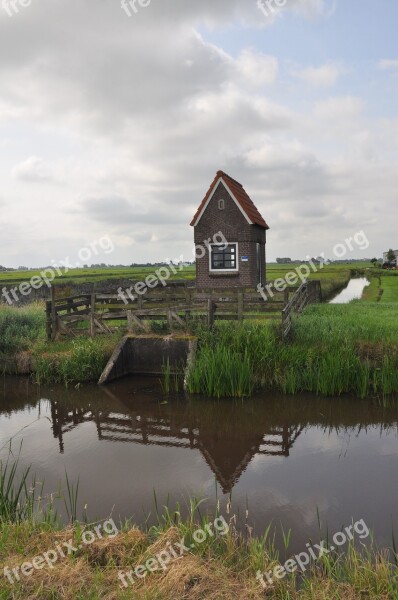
220,564
333,349
220,568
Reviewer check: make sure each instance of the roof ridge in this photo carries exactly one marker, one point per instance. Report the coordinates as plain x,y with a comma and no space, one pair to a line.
240,196
224,174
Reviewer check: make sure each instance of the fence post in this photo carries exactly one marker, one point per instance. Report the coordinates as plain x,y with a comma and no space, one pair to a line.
48,319
286,296
130,321
54,329
92,315
240,305
210,315
188,301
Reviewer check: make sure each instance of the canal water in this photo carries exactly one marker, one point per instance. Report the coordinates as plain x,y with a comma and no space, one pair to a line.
353,291
281,458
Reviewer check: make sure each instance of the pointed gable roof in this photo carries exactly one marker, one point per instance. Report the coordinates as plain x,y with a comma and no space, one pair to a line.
239,195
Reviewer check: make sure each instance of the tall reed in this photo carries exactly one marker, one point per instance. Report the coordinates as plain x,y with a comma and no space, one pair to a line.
332,350
17,499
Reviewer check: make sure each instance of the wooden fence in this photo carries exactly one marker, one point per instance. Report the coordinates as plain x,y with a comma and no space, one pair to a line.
309,292
98,313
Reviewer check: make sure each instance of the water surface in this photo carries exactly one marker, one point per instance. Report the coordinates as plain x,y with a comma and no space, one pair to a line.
353,291
282,457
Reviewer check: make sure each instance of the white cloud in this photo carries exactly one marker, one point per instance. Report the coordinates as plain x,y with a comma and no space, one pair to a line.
33,169
310,9
338,108
256,68
388,64
323,76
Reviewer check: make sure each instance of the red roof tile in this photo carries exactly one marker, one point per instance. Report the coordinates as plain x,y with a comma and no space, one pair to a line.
241,196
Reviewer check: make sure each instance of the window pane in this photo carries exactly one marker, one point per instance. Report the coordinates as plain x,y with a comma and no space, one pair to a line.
223,258
229,264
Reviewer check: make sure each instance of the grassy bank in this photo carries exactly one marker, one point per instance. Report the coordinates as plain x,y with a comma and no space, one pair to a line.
383,287
333,349
218,569
24,347
220,563
333,278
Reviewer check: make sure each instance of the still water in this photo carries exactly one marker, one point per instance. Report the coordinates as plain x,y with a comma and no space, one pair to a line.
353,291
282,457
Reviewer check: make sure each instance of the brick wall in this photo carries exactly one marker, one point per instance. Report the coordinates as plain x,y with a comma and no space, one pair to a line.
234,226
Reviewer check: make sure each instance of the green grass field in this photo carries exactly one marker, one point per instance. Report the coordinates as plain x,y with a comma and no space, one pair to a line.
95,275
383,287
389,285
338,272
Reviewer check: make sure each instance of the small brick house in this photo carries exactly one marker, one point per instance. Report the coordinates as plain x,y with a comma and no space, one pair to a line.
228,209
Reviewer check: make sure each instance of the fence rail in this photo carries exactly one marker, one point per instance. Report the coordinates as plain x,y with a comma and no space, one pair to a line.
309,292
98,313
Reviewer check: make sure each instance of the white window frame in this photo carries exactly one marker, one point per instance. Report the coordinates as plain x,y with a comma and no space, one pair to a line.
236,270
221,204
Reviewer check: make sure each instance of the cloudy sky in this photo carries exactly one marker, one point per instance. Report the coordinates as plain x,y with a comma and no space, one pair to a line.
114,122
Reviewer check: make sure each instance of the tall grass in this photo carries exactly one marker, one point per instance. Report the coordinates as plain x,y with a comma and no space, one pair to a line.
166,381
16,498
333,350
75,361
221,372
20,327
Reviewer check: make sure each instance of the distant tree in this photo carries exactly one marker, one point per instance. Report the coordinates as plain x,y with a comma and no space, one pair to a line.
374,261
283,261
3,268
391,257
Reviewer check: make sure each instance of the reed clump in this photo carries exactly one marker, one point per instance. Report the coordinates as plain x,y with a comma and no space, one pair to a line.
332,350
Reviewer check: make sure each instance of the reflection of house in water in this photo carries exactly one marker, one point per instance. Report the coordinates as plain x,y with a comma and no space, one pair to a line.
227,448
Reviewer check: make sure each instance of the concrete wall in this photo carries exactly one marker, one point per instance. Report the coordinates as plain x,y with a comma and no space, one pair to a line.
147,355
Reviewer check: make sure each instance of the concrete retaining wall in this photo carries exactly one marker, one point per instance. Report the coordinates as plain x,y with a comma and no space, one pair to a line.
148,355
